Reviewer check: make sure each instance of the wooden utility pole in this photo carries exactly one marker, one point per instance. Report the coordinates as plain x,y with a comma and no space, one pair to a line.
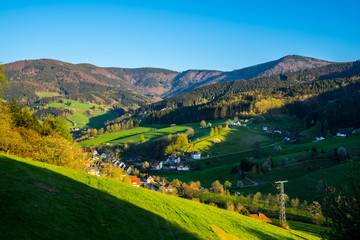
280,185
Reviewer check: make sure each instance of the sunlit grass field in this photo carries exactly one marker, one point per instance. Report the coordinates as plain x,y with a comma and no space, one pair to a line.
54,202
47,94
85,116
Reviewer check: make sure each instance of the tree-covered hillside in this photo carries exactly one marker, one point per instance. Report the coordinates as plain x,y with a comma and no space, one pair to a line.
329,94
46,75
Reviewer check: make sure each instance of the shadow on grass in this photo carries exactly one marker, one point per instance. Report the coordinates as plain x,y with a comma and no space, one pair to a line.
262,235
99,121
36,203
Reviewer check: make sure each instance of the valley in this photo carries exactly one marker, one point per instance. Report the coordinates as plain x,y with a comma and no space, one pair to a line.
221,146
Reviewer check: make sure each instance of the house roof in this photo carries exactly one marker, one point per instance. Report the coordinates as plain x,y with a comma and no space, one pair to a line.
136,181
261,217
344,131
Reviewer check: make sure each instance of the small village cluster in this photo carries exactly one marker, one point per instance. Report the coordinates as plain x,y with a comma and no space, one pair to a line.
290,138
171,163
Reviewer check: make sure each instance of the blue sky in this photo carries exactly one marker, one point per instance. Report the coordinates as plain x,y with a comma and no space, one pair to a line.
179,35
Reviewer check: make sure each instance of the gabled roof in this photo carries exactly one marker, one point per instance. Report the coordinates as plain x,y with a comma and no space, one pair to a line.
261,217
136,182
344,131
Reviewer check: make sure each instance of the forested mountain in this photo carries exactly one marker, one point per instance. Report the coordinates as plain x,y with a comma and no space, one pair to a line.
330,94
290,63
108,85
79,82
212,92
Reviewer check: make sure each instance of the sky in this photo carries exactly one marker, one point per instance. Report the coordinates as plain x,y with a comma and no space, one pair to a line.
179,35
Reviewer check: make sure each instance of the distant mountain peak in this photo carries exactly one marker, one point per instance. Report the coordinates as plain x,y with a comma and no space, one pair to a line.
153,81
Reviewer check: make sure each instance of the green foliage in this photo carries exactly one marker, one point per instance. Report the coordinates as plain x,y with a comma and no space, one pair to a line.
341,207
176,143
3,79
190,133
23,135
59,125
212,132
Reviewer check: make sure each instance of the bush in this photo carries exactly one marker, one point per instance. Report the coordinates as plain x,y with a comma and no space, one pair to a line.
242,210
230,206
342,154
212,204
284,161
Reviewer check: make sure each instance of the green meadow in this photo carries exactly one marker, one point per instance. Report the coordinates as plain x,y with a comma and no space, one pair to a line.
41,201
84,115
150,132
47,94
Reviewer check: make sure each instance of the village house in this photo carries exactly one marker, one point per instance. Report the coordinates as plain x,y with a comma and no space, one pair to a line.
172,166
148,179
94,170
264,128
182,167
196,155
173,159
87,163
277,130
139,158
156,165
319,137
103,155
261,217
290,139
236,123
166,188
94,153
343,132
135,181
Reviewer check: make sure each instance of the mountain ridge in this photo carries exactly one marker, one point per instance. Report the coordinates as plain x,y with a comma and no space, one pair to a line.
50,75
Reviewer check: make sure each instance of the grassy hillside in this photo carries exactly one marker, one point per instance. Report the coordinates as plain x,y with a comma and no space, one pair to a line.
40,201
150,132
84,114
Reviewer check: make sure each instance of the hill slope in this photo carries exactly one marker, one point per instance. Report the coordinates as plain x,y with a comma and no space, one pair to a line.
41,201
46,75
290,63
75,81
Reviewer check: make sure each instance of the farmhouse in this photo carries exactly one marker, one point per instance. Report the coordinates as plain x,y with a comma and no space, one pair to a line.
343,132
94,170
172,166
148,179
236,123
94,153
173,159
156,165
167,187
261,217
277,130
196,155
135,181
182,167
319,137
290,139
